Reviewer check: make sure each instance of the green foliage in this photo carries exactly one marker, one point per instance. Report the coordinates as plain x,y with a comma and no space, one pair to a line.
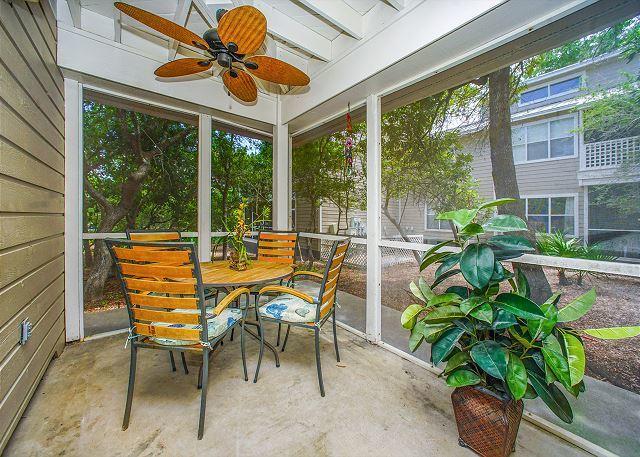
623,35
320,175
500,340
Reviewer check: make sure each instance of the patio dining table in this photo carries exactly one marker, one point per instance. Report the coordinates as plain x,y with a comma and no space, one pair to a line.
219,275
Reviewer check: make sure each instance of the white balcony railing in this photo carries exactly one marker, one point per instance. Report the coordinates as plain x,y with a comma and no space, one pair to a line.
611,154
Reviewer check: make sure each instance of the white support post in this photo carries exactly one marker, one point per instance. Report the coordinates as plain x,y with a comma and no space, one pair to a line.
281,214
374,189
204,188
73,294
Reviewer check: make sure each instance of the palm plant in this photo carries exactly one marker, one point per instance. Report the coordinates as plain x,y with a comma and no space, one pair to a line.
500,340
559,245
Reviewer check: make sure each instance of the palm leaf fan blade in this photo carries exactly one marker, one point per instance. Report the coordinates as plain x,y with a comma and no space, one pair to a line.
162,25
277,71
244,26
242,85
182,67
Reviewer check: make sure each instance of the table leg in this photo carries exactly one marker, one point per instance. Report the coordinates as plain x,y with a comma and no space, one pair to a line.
257,337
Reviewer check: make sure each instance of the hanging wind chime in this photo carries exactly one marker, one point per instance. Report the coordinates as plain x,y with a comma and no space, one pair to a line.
348,143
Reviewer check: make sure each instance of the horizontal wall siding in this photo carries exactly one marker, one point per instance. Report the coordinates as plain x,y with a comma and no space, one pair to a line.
31,203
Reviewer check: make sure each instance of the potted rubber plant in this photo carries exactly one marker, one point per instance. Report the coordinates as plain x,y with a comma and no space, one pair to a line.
495,344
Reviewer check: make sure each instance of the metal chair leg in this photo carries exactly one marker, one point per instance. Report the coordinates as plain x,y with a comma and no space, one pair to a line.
172,360
244,357
335,336
200,377
203,394
278,339
184,363
231,339
255,378
255,308
132,379
317,335
286,338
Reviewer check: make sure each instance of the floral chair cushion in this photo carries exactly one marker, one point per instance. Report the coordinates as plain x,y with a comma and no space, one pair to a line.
289,308
216,325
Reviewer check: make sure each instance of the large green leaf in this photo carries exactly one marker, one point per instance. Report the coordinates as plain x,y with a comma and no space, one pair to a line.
575,357
444,276
424,288
448,263
578,307
523,284
519,306
511,243
613,333
415,290
456,360
543,327
444,298
476,264
472,229
459,217
408,317
436,247
503,319
554,357
432,332
504,223
491,357
442,314
441,348
462,377
417,336
484,312
516,376
470,303
497,202
552,397
461,291
431,259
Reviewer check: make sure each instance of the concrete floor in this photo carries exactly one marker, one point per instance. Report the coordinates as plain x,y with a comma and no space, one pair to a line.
377,404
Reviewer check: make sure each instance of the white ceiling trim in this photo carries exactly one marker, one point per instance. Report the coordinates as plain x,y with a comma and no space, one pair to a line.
180,17
397,4
291,31
76,12
339,14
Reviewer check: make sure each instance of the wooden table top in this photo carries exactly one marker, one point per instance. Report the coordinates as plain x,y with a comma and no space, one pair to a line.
218,273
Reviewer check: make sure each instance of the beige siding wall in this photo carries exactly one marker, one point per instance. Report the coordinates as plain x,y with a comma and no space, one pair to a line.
31,203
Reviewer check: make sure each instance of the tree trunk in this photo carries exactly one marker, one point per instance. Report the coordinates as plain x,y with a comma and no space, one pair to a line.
403,235
94,287
504,171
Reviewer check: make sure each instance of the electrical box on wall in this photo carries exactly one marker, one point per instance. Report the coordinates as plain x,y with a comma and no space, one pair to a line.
25,331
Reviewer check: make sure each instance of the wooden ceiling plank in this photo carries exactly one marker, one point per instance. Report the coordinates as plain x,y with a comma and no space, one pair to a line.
339,14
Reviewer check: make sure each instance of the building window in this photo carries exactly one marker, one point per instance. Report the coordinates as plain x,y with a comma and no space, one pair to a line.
544,140
551,90
430,221
552,214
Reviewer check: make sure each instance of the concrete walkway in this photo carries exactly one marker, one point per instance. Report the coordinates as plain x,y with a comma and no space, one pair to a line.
377,404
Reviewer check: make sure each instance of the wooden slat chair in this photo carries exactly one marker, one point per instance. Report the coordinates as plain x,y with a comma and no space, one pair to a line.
296,308
162,286
159,235
279,247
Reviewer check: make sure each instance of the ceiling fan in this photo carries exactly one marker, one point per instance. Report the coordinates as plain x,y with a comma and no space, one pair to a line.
240,32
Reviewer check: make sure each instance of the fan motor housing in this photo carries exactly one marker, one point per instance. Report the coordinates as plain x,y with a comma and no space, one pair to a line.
213,39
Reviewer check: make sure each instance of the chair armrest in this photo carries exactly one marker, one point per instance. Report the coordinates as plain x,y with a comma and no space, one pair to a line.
287,290
229,298
307,273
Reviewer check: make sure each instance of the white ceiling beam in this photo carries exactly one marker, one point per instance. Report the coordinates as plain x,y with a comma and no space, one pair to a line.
207,15
397,4
180,17
291,31
339,14
76,12
117,25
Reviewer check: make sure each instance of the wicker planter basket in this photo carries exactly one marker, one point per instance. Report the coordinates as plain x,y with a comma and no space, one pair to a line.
487,424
